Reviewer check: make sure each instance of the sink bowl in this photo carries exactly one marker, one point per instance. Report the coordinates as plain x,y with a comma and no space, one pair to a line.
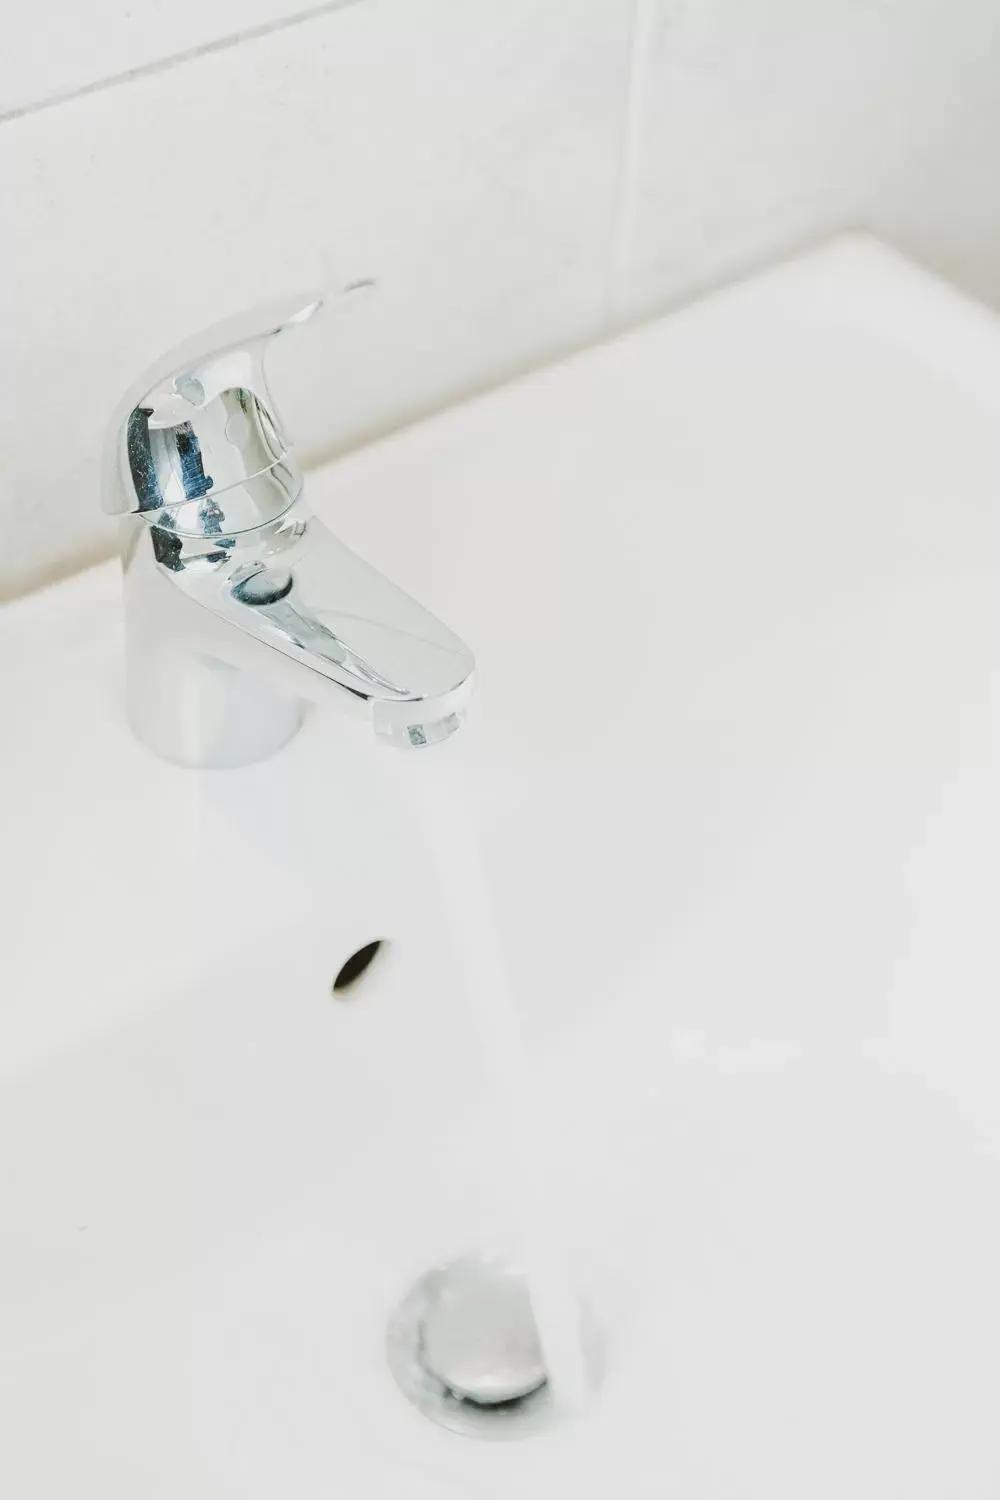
731,582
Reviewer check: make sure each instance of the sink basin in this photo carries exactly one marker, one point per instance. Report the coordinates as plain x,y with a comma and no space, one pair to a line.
731,582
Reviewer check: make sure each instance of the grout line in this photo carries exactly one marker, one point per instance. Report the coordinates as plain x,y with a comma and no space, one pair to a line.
622,241
162,64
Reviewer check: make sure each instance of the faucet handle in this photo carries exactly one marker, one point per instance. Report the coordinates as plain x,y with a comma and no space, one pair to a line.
196,444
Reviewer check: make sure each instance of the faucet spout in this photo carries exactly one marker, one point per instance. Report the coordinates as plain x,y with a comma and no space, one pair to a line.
227,639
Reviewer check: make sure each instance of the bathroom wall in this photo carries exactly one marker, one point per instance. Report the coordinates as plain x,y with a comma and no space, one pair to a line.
519,177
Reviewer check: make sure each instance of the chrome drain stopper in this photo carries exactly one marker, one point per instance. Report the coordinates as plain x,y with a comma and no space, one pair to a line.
464,1349
479,1337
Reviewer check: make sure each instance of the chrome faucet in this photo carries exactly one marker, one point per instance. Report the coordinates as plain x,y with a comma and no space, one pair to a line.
239,604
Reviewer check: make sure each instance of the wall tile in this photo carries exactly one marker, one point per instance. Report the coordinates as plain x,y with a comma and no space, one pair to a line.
469,168
54,47
938,195
767,123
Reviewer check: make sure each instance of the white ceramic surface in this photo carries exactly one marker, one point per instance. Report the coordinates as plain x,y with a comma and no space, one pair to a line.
732,582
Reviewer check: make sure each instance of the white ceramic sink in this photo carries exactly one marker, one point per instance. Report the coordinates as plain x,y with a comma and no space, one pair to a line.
732,584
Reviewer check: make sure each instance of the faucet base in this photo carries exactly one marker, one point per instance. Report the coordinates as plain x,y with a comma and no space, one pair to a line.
202,712
182,701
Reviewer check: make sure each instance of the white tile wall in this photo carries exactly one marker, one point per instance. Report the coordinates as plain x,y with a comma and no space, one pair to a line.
518,177
56,47
766,123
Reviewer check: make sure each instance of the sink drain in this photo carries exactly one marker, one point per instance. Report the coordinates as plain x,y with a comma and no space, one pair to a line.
464,1349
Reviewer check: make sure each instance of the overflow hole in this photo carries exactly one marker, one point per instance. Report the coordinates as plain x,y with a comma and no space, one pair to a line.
355,966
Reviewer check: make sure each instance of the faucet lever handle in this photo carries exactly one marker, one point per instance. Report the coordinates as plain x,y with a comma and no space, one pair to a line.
196,444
